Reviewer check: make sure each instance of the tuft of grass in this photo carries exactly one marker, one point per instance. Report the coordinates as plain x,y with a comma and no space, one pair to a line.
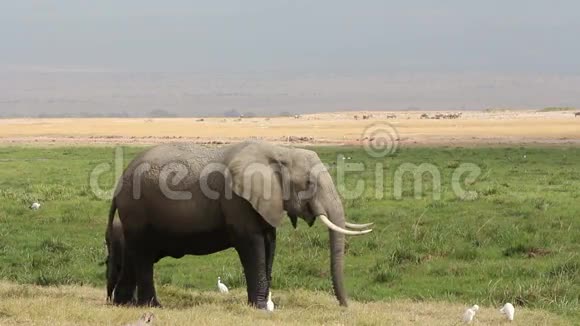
540,203
569,270
489,190
469,196
467,254
402,256
384,272
54,246
526,250
453,164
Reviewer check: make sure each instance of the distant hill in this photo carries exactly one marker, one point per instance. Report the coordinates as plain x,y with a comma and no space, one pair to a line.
119,94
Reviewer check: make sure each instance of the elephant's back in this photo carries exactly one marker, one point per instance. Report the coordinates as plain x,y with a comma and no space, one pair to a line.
162,187
164,154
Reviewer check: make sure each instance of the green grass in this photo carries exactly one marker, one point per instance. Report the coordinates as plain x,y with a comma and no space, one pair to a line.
498,110
515,238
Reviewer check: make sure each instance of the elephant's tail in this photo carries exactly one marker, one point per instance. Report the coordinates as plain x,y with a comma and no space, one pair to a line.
111,281
112,212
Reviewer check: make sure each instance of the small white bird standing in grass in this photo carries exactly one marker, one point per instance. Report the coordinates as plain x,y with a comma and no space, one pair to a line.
270,303
469,314
35,206
508,310
222,287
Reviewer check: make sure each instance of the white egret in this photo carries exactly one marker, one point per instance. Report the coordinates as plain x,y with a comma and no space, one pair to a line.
222,287
35,206
270,303
469,314
508,310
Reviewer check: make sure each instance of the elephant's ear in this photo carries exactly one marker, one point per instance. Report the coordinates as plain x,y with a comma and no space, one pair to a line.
253,175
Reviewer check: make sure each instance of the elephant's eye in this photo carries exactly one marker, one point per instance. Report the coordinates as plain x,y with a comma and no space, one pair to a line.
311,184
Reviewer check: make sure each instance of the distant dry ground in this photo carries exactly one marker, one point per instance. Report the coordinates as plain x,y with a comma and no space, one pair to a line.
512,127
76,305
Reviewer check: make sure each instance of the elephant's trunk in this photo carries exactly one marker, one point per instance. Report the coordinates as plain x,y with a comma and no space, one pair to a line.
336,265
330,202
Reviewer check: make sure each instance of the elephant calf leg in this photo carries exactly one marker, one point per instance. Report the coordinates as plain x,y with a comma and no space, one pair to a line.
125,288
252,252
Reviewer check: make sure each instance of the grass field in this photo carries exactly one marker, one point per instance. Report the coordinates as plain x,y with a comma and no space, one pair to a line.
75,305
517,239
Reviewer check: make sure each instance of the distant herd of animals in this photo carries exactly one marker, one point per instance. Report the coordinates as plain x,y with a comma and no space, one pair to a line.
423,116
437,116
442,116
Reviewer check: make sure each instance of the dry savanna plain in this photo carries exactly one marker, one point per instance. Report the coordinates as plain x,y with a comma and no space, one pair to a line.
514,236
472,127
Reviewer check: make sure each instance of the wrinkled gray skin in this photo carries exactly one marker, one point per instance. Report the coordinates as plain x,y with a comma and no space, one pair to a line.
115,244
155,226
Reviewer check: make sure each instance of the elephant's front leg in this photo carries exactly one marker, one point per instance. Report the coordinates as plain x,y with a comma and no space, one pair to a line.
252,252
270,243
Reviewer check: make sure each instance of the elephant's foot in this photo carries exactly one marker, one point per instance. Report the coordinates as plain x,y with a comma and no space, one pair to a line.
124,302
153,302
258,305
123,297
261,306
131,303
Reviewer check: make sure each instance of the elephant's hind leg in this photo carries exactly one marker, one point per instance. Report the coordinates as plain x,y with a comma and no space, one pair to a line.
141,252
146,295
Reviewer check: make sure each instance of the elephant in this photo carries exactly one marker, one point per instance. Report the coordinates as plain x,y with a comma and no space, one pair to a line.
181,199
115,243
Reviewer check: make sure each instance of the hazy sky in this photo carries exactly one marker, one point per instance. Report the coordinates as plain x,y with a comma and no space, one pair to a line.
296,36
266,56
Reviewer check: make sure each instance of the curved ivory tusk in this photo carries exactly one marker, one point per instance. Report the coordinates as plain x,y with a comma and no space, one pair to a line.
358,226
338,229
